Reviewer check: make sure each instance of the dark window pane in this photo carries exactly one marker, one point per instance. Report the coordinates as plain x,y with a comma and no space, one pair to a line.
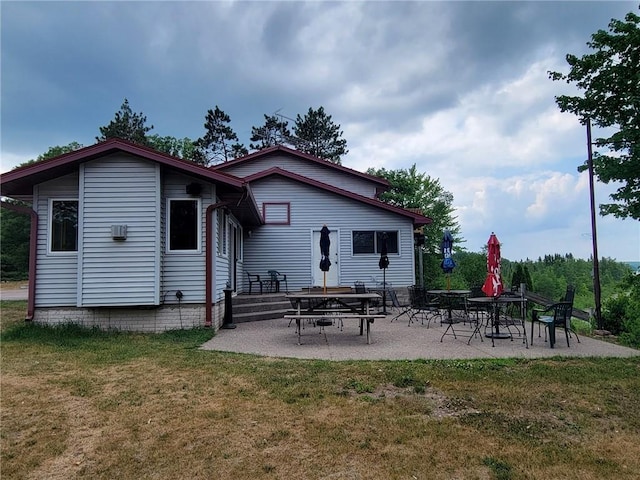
363,242
392,242
183,225
64,226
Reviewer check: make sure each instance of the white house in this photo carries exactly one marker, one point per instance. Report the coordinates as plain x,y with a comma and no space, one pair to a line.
126,237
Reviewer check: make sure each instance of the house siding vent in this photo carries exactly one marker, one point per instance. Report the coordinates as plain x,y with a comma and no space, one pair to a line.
119,232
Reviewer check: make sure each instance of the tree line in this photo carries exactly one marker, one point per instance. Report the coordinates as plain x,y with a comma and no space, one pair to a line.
314,133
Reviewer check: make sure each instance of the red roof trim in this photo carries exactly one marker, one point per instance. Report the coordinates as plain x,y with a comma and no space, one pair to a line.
305,156
116,144
417,218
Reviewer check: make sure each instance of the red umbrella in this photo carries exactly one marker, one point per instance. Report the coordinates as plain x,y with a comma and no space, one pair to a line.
493,284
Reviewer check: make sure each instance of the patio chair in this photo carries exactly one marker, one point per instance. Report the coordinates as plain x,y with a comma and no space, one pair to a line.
254,279
555,316
427,306
480,310
397,306
514,318
549,310
275,280
360,287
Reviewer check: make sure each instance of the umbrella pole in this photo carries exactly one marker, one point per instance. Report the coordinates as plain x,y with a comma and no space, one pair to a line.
324,282
384,291
448,282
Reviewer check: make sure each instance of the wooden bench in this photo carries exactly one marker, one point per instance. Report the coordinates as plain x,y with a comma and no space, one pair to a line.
329,315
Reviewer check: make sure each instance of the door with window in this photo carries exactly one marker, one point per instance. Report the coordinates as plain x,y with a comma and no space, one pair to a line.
332,277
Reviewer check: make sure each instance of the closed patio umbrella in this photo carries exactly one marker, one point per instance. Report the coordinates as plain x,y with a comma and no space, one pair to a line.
493,284
325,263
383,264
446,249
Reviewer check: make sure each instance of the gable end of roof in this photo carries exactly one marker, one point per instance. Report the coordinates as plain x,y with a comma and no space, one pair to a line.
280,149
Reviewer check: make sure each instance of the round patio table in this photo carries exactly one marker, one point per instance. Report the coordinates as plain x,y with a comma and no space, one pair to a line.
451,294
496,303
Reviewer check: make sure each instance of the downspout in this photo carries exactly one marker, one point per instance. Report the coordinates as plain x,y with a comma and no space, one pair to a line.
33,241
208,321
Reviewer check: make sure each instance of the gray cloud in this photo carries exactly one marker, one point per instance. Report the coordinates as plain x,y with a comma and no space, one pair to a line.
458,88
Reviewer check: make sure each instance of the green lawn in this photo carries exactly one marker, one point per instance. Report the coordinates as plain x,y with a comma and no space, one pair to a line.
87,404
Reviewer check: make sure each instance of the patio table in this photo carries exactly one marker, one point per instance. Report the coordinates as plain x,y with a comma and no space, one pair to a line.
450,295
494,305
335,306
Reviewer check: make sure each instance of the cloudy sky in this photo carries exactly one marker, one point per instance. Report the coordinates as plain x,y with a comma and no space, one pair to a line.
458,88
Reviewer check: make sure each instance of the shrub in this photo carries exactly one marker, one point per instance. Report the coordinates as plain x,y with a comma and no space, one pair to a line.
621,312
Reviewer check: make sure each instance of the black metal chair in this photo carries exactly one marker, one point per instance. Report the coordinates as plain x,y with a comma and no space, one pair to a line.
398,307
460,321
424,305
360,287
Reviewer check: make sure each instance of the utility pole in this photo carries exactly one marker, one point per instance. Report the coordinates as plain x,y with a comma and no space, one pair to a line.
596,268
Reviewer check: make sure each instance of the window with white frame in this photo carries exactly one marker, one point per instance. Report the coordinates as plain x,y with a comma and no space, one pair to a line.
184,225
63,225
370,241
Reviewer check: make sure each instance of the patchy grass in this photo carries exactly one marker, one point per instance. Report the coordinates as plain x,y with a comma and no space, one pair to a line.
81,403
13,285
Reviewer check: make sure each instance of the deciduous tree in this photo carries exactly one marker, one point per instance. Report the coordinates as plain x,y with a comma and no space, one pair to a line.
609,79
411,189
54,152
181,148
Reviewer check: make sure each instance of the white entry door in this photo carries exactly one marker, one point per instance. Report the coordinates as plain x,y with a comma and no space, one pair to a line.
332,274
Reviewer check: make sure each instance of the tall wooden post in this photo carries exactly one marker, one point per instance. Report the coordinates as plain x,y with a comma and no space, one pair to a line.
594,238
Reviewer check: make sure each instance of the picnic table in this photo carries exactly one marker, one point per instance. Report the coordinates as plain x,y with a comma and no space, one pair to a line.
334,306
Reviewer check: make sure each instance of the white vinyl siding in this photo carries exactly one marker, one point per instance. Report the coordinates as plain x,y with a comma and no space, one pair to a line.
185,271
309,169
119,190
56,273
288,249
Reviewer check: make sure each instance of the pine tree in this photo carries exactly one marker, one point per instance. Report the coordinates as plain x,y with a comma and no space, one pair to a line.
127,126
273,132
316,134
219,143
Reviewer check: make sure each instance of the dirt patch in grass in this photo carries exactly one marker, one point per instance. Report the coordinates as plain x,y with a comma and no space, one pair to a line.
441,405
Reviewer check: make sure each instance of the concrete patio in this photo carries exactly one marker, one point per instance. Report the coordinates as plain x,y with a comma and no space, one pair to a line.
395,341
